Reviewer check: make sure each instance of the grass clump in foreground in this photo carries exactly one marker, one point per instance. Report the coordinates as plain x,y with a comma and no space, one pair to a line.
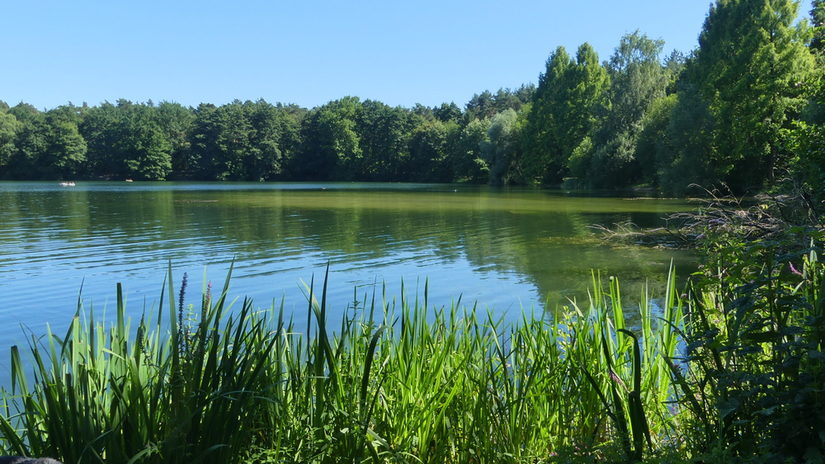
732,371
392,382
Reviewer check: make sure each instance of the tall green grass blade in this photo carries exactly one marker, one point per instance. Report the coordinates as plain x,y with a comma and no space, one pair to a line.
395,383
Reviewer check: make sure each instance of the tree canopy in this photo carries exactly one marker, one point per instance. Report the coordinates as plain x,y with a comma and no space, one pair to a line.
746,108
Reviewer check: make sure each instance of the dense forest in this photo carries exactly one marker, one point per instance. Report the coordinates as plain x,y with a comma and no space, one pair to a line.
745,108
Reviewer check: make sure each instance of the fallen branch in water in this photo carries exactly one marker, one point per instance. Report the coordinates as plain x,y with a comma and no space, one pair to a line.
721,213
631,234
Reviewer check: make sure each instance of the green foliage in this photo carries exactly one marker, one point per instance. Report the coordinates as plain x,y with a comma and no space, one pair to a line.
743,109
637,80
563,113
683,153
384,136
145,150
466,158
45,145
750,68
397,381
500,147
127,141
653,135
331,148
588,94
623,401
30,142
754,374
99,130
818,23
232,152
65,153
8,132
579,162
240,141
177,122
447,112
106,393
544,153
428,148
807,142
486,104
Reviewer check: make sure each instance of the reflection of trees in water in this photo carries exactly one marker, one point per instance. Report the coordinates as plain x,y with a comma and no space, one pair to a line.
558,252
553,250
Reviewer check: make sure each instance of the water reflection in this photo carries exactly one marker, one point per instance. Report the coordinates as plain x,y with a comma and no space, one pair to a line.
506,249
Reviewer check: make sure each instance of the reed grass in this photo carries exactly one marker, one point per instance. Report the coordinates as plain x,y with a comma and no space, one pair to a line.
754,384
394,380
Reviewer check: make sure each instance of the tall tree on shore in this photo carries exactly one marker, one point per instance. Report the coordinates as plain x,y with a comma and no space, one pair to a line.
177,121
466,158
590,84
99,130
637,80
144,148
447,112
331,146
383,136
481,106
240,141
806,138
428,153
500,149
229,161
8,131
29,143
487,104
43,145
544,155
265,157
815,113
751,68
64,154
818,25
563,112
684,150
127,141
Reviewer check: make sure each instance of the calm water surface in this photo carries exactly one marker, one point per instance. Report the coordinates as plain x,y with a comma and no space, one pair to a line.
505,249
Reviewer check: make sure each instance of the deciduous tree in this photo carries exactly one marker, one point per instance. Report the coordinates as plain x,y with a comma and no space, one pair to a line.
751,67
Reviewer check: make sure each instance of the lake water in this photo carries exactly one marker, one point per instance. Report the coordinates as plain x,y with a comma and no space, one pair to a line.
509,250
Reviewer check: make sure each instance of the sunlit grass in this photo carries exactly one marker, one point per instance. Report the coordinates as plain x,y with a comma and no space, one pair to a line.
394,381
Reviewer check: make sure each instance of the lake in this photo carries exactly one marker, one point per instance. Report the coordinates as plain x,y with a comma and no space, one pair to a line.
509,250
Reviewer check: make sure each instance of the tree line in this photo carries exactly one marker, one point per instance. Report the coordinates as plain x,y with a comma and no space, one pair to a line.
745,108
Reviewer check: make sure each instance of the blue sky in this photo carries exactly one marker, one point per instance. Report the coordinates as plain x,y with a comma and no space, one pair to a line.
308,52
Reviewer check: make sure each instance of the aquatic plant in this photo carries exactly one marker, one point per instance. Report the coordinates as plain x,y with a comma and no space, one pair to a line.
395,380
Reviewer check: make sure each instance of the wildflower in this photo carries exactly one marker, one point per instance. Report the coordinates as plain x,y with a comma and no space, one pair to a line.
794,270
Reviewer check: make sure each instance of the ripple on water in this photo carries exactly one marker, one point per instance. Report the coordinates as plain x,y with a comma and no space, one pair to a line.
505,249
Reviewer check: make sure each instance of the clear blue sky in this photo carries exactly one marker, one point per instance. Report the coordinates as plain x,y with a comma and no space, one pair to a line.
307,51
